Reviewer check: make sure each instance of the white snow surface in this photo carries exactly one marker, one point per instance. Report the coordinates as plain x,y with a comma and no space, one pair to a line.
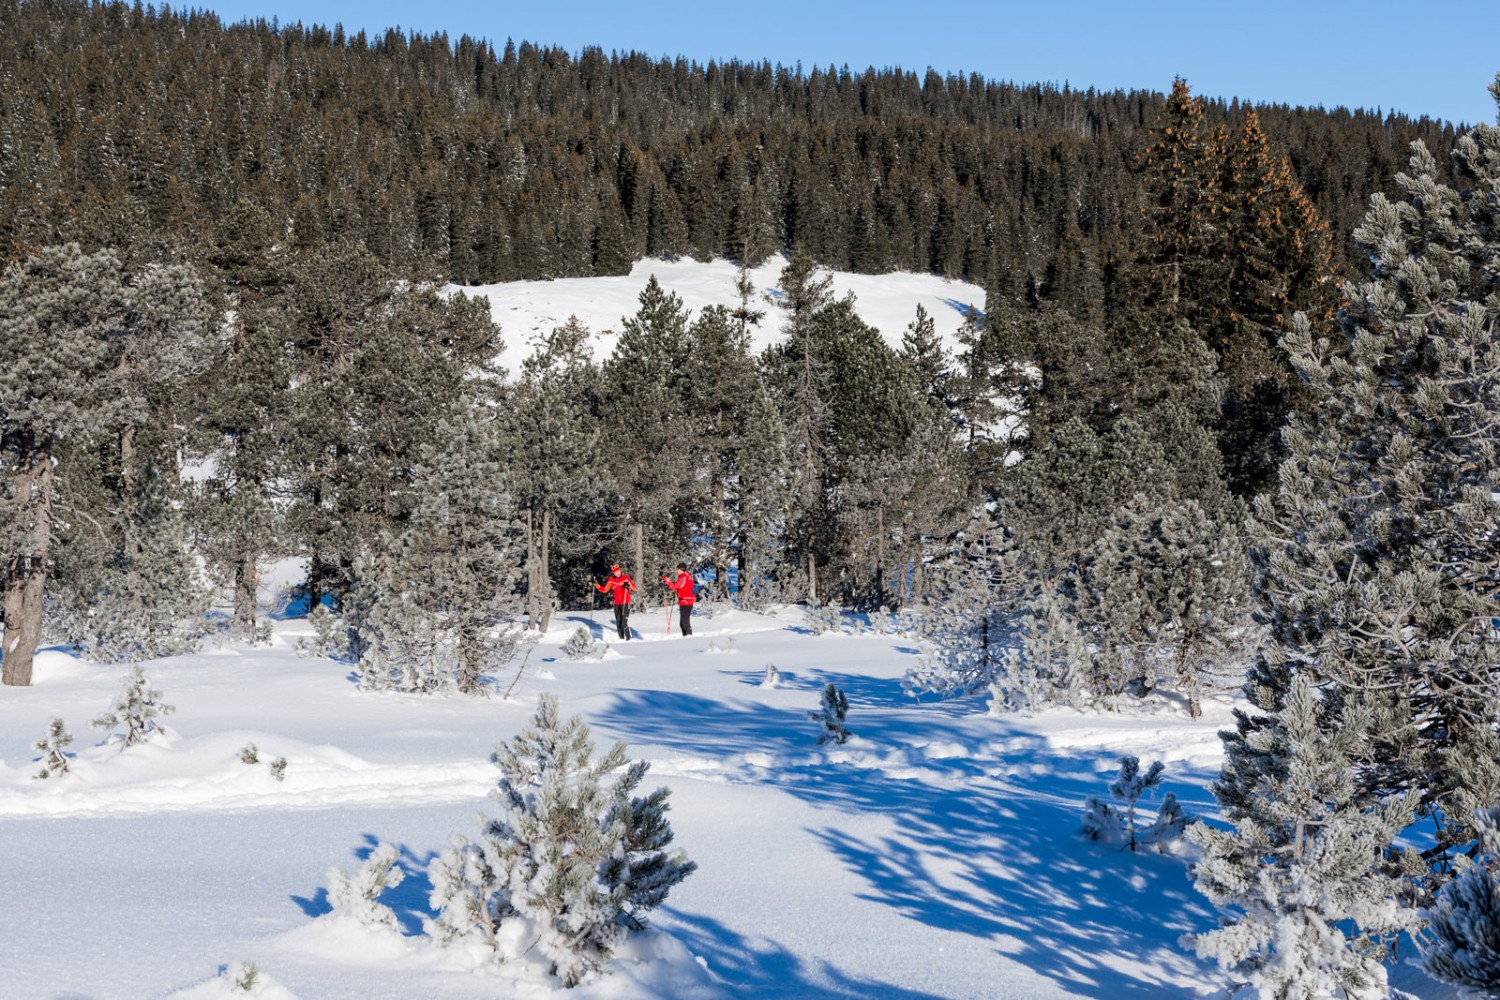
935,855
527,310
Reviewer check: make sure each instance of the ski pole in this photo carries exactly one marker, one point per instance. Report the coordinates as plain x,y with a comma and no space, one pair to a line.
668,606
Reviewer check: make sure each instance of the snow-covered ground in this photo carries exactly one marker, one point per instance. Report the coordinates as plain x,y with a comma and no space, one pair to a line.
935,855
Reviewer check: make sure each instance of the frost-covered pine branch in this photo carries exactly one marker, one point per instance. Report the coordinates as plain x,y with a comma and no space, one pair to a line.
1462,943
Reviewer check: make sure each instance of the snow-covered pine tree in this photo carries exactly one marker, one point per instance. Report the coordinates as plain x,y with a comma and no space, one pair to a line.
832,712
580,644
441,607
1161,597
1130,785
1378,554
1307,864
137,708
961,626
54,749
1462,942
574,858
145,598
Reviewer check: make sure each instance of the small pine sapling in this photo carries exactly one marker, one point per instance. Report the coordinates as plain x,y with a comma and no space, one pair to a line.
580,644
772,678
53,748
243,977
1171,822
249,754
278,768
1113,825
328,639
1462,944
1102,821
1131,785
137,708
834,710
357,896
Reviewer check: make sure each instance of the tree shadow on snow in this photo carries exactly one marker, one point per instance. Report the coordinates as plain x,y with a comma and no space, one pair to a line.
987,838
762,968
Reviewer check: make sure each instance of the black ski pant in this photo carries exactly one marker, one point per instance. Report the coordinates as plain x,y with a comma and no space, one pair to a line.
622,620
685,615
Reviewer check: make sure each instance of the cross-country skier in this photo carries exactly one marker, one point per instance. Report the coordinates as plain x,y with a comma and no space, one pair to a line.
622,586
682,586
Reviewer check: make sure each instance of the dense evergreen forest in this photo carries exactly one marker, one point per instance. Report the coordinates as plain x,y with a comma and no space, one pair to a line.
139,128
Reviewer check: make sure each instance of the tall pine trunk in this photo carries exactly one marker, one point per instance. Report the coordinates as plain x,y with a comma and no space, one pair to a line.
544,570
246,581
26,565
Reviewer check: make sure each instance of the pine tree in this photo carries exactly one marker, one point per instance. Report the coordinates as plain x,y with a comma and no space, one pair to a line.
1378,554
1462,943
54,749
643,419
439,604
832,712
574,857
75,330
1307,862
554,464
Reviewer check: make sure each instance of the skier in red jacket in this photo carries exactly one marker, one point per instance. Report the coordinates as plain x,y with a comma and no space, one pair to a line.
682,586
622,586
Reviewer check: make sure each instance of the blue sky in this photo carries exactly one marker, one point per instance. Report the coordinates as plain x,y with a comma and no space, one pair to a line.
1375,54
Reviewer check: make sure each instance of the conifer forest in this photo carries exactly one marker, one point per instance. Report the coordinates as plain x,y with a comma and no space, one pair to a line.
1224,426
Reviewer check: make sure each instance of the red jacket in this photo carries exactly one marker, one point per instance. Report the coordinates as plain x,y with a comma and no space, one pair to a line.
683,587
621,584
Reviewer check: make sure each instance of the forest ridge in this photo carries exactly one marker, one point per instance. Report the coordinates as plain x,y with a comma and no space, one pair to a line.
139,128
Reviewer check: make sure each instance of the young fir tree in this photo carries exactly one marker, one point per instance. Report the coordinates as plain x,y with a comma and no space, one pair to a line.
1379,552
575,857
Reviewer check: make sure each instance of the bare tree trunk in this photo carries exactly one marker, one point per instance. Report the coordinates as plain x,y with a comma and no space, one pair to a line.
532,582
26,569
880,598
246,581
640,553
544,569
812,579
743,576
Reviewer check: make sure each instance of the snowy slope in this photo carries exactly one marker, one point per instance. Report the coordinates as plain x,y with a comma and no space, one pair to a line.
888,302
